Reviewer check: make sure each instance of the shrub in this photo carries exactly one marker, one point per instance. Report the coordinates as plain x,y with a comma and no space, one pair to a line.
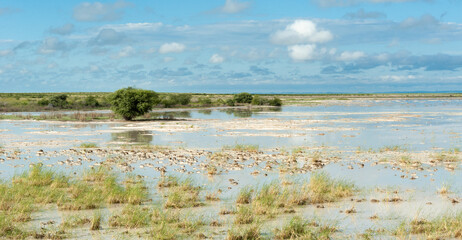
243,97
257,100
43,102
204,101
91,101
220,102
59,101
230,102
275,102
131,102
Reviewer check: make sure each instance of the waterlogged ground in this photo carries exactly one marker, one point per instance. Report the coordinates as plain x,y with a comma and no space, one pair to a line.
399,158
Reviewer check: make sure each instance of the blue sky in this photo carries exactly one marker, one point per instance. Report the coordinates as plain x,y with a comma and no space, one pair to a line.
261,46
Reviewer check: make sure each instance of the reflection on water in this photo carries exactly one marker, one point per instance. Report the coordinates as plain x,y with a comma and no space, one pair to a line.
142,137
170,115
248,112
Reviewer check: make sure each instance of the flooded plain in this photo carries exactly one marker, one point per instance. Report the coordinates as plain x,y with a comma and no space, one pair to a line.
401,159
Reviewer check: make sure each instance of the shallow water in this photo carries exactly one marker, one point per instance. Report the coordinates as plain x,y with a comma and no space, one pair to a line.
415,125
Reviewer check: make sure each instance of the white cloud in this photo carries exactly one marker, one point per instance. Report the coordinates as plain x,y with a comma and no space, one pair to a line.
216,59
351,56
302,52
172,48
126,52
145,27
301,31
397,78
342,3
96,12
234,6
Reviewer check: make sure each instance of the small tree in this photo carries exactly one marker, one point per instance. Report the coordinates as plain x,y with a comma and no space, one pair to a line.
243,98
131,102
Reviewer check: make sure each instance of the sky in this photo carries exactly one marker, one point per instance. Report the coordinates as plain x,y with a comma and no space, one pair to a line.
229,46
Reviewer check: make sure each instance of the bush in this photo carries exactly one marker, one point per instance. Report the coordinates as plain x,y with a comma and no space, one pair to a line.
91,101
257,100
176,99
131,102
182,98
59,101
220,102
43,102
275,102
230,102
243,98
204,101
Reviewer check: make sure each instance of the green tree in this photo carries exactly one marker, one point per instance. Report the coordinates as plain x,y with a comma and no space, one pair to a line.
243,98
131,102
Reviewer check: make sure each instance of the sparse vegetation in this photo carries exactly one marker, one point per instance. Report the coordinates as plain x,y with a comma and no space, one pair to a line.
443,227
88,145
298,228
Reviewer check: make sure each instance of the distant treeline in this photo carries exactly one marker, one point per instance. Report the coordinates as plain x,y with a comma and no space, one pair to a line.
37,102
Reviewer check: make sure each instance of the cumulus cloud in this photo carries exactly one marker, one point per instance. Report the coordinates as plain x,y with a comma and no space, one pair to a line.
302,52
350,56
216,59
97,12
108,36
343,3
63,30
172,48
301,31
361,14
234,6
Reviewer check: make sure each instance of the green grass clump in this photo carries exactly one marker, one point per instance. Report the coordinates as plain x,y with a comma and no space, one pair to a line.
95,223
443,227
250,232
242,148
268,199
244,215
393,148
10,229
446,156
180,193
82,196
322,188
75,221
298,228
275,198
132,217
244,196
88,145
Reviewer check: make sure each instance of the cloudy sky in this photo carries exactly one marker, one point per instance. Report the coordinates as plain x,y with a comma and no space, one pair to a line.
260,46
